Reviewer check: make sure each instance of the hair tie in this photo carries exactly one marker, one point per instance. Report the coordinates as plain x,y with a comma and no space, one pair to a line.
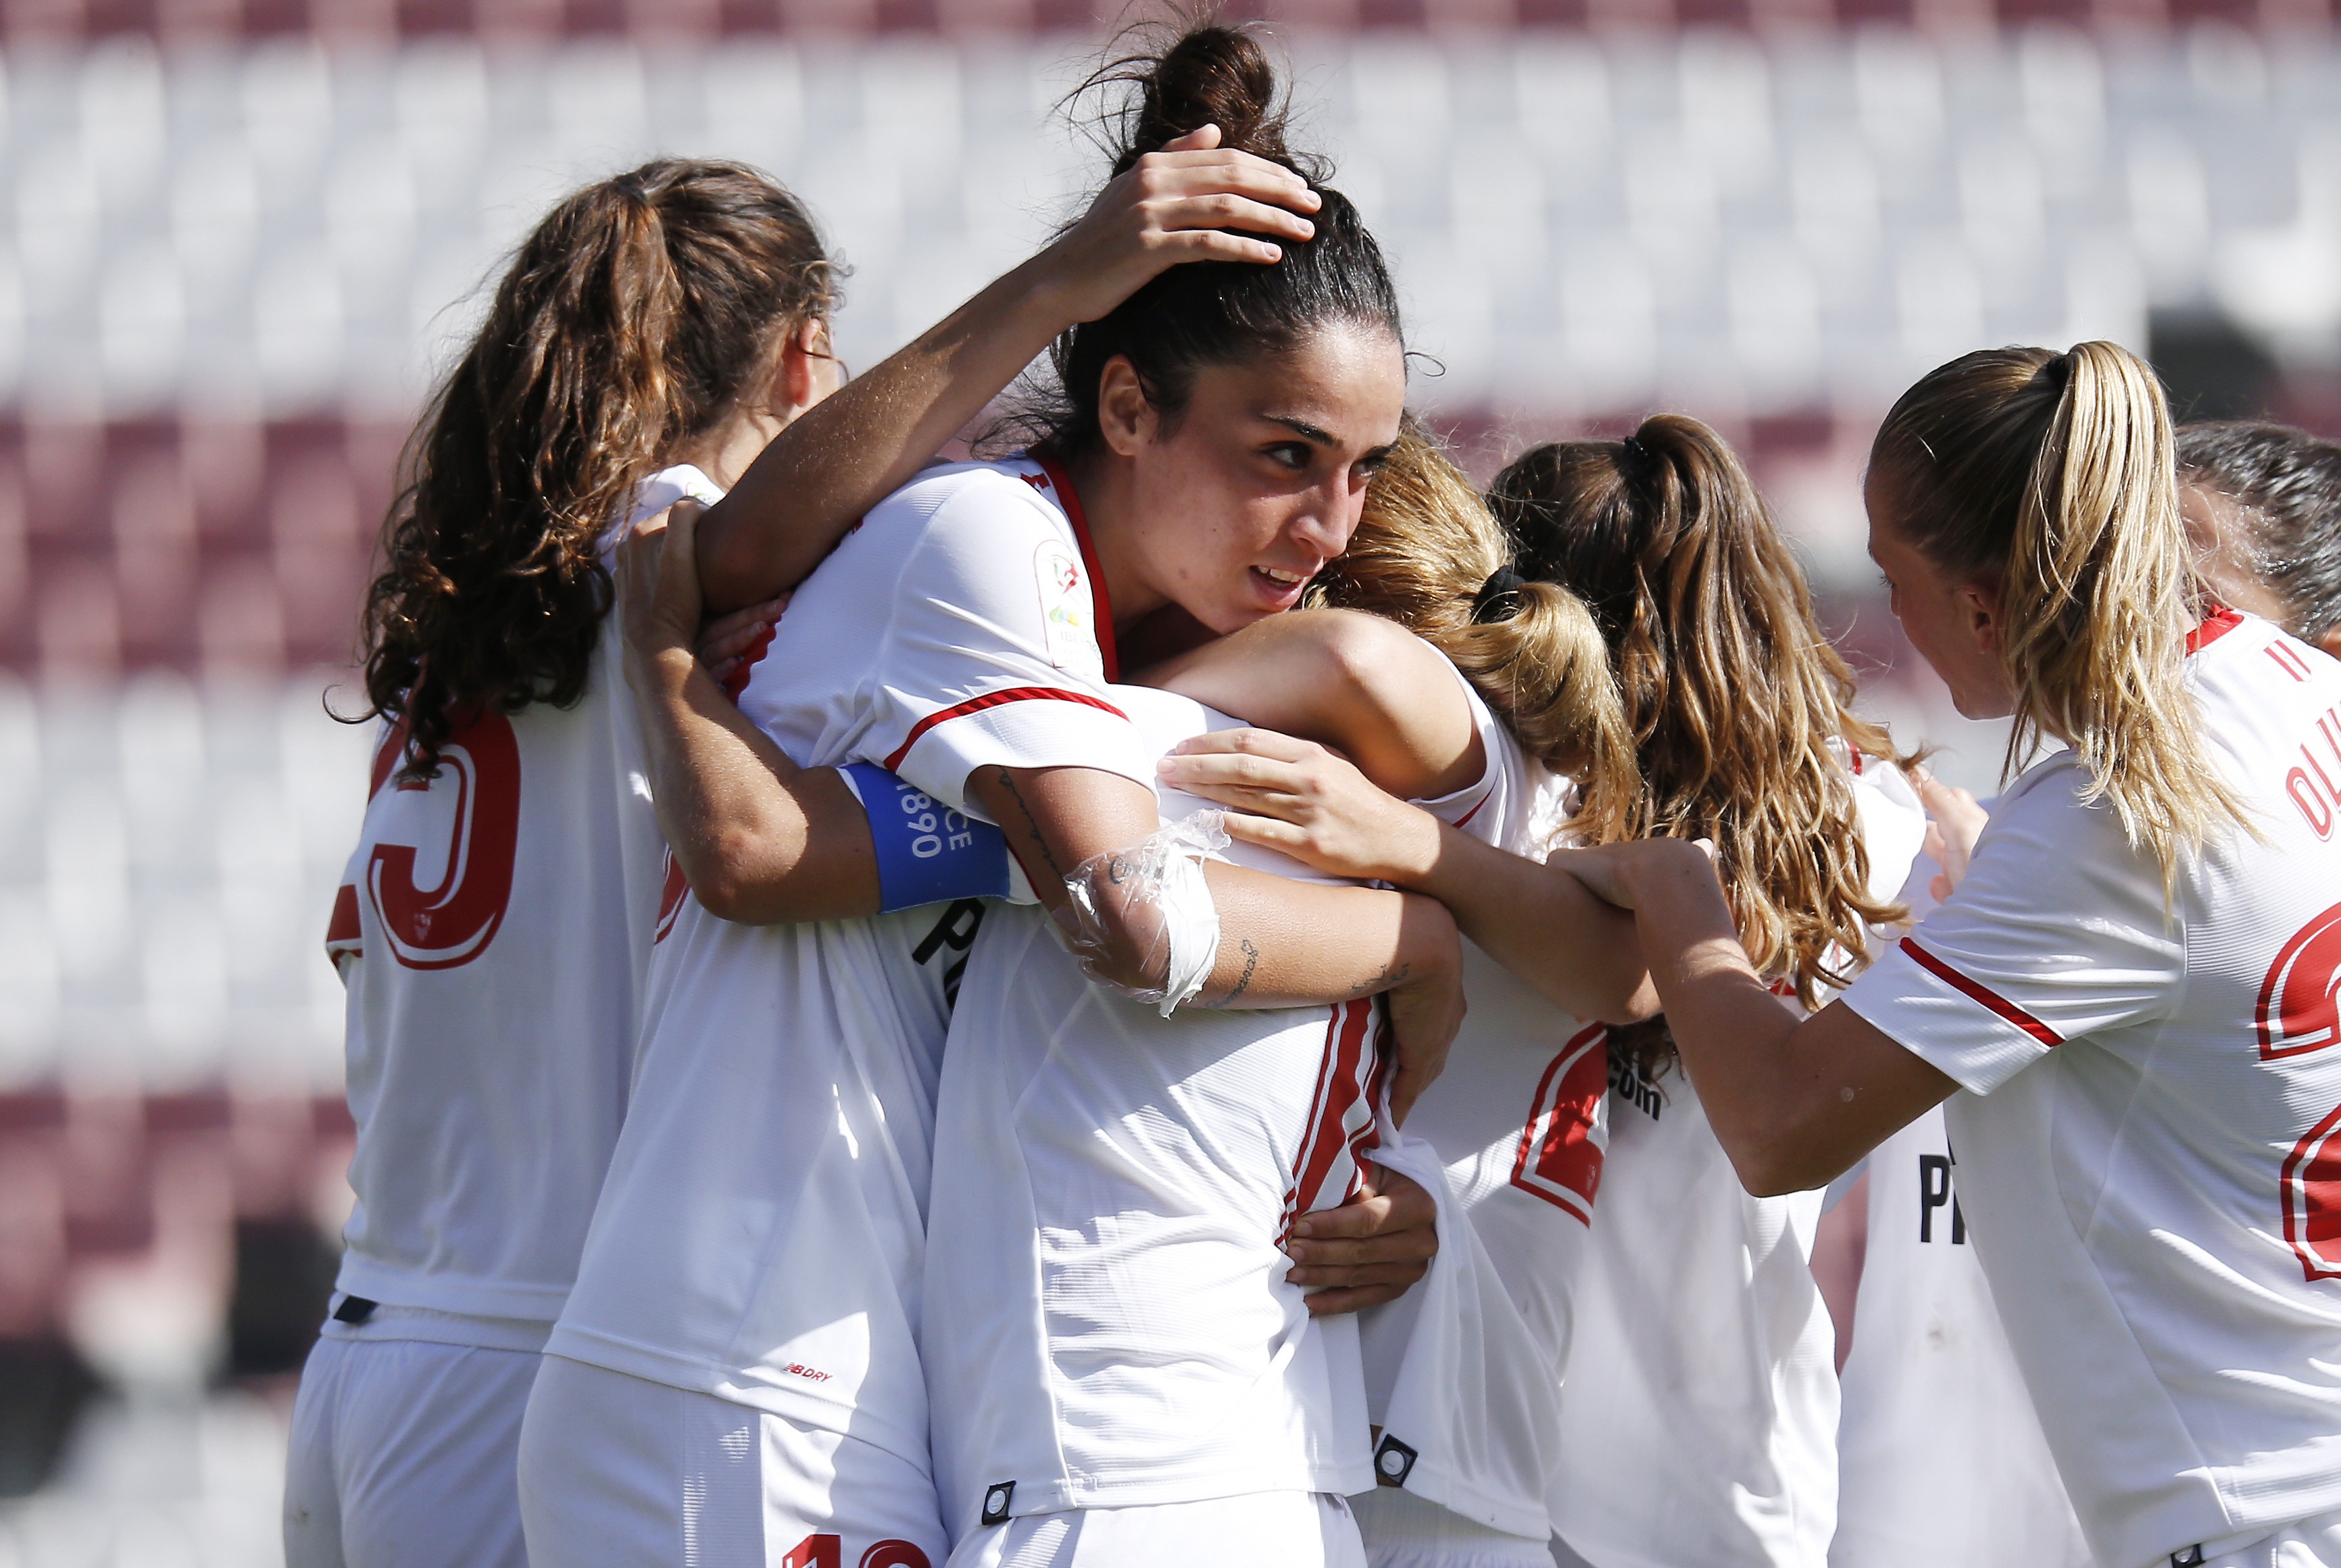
1498,596
1635,450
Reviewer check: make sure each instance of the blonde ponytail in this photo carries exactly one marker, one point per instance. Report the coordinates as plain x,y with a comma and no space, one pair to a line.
1423,553
2054,472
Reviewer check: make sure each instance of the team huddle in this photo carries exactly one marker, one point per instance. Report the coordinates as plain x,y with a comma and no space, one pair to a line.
1195,988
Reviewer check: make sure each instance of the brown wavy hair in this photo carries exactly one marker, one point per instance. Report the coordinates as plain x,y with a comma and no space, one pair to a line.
1734,697
1424,552
630,320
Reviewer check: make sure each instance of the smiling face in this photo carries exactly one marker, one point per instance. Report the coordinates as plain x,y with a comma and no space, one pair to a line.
1953,622
1230,510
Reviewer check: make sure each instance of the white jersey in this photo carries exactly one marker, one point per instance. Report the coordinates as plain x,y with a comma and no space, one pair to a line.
1941,1459
1699,1408
1518,1122
2146,1150
1119,1331
762,1233
493,929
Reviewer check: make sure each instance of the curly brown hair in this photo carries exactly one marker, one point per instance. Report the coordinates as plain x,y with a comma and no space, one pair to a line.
1732,691
631,319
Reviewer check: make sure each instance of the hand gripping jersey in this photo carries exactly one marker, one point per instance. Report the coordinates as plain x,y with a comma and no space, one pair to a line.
1699,1405
1462,1375
1941,1459
761,1232
493,928
1115,1186
2146,1152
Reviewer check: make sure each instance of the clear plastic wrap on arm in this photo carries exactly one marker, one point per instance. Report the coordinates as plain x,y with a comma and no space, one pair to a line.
1141,918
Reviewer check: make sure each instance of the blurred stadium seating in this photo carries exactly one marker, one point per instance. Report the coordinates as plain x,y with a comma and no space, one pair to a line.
239,238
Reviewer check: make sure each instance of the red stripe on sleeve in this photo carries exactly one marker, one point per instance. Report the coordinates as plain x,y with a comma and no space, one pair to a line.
994,700
1991,999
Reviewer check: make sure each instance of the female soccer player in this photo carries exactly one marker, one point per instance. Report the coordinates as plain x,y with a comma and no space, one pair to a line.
495,923
1697,1407
2263,509
739,1363
2134,985
677,315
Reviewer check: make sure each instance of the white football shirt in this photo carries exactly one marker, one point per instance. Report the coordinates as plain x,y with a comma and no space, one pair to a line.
492,929
760,1235
1699,1408
1117,1329
1941,1459
1519,1121
2145,1150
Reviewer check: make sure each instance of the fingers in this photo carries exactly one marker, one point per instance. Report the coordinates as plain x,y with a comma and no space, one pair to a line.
1247,740
1197,140
1266,832
1333,1302
1180,170
1411,1245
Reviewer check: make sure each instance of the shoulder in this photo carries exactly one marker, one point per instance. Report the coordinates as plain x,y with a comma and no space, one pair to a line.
964,492
1376,663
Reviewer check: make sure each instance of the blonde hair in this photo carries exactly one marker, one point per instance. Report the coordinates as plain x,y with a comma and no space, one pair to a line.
2054,472
1423,553
1733,694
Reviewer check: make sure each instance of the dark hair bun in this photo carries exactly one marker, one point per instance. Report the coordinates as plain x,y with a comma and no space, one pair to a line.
1211,76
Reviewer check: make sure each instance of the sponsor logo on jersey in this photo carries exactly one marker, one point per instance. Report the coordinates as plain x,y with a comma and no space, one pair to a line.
1067,614
810,1373
1934,1192
1627,1082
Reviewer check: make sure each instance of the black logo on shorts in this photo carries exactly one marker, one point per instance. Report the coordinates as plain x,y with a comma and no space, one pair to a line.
1393,1462
2190,1558
996,1497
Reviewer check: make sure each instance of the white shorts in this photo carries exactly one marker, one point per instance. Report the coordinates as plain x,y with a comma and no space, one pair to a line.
1403,1531
1259,1530
403,1456
617,1472
2311,1543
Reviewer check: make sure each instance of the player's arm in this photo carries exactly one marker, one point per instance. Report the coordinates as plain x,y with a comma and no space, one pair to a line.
760,839
1537,921
1794,1103
845,454
1281,943
1364,686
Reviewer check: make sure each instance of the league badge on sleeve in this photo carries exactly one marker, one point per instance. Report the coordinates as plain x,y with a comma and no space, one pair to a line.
1068,615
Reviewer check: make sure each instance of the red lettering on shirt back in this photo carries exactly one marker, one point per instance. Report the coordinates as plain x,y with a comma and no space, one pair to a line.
2298,1013
2289,660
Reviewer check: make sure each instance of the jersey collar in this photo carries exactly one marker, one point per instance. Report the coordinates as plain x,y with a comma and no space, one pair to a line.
1070,501
2217,621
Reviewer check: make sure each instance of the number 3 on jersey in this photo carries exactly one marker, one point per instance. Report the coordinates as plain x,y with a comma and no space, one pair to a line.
451,922
2299,1013
1560,1153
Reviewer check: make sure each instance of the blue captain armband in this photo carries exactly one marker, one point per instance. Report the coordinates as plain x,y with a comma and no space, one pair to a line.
927,853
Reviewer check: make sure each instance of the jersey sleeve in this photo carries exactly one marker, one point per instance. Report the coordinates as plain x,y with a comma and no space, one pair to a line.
1485,808
992,656
2058,931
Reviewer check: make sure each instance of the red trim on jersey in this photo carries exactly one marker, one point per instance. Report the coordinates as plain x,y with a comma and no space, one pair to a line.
750,657
1070,499
1338,1089
994,700
1993,1000
2216,623
1465,820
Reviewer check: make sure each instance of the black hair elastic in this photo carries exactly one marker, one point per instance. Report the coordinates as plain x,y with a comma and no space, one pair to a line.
1499,598
1635,450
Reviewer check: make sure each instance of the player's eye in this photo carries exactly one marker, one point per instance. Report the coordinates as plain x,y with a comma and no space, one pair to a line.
1294,456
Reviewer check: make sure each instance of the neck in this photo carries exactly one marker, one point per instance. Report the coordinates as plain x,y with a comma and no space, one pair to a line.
725,453
1103,481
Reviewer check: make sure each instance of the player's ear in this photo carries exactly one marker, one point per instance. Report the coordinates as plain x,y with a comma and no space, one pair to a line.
801,372
1126,419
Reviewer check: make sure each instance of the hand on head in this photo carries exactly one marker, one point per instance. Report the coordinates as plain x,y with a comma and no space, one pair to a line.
1177,205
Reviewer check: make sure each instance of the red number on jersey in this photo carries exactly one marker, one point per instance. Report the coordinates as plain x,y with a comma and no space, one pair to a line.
894,1554
2299,1012
452,923
816,1552
1560,1159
